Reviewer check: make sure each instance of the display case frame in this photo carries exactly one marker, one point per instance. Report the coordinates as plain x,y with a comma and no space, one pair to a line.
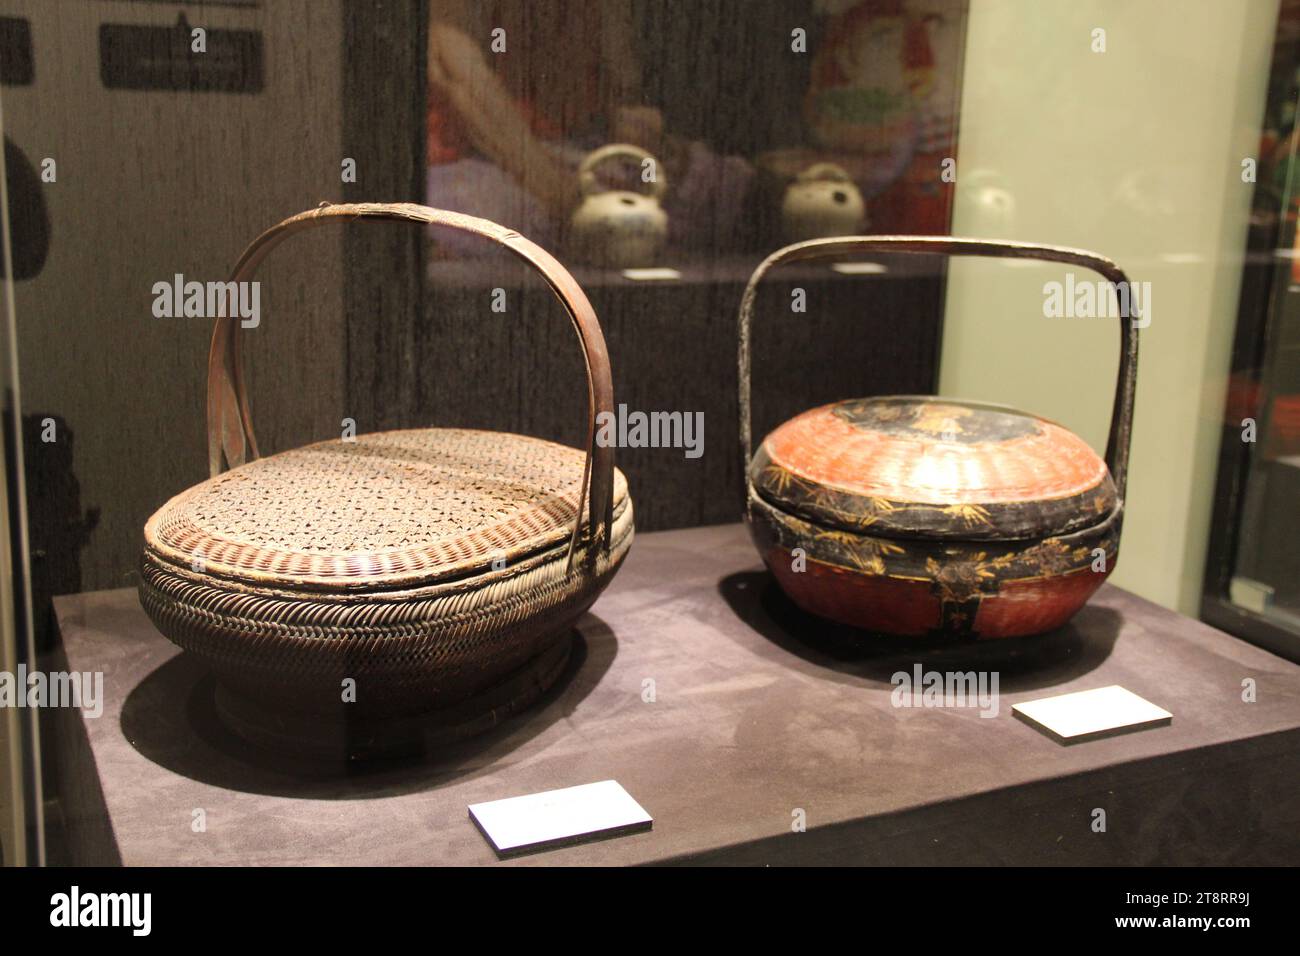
1269,301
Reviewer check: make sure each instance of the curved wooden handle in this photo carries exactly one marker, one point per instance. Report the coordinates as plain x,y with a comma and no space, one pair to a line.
231,440
588,182
1121,420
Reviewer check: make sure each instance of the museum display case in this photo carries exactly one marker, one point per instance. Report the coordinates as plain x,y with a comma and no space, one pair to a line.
839,279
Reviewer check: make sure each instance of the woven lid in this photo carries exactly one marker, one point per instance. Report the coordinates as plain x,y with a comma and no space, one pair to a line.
908,466
388,510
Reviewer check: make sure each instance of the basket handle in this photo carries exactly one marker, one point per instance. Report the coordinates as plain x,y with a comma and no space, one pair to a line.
1121,421
231,440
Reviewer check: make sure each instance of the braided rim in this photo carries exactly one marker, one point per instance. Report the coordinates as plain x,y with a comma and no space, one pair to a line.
501,597
464,556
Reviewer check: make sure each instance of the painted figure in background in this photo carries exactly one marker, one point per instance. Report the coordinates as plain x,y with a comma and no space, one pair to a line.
883,100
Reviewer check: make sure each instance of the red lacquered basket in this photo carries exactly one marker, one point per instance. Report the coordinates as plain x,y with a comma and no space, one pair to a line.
921,516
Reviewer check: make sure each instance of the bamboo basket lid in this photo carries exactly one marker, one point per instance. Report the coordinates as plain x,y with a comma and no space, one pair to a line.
389,510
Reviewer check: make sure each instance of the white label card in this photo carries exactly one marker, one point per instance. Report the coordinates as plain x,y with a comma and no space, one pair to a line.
559,817
1089,714
651,275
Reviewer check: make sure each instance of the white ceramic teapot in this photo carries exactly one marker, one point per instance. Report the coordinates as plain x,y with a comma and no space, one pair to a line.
619,228
822,201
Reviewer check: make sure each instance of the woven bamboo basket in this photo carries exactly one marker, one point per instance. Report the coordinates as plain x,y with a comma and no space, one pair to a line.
917,516
399,574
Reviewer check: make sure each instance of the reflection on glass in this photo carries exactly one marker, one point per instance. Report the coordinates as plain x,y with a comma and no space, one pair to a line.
829,128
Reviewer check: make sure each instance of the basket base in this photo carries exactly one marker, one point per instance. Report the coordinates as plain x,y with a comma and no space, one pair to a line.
343,735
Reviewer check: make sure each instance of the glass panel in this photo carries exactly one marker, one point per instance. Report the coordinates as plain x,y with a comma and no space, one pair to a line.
1264,399
22,839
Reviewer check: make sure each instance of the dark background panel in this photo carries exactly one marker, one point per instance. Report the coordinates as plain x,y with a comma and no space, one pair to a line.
174,178
673,347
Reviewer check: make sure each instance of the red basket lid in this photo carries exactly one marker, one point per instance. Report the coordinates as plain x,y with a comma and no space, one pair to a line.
917,466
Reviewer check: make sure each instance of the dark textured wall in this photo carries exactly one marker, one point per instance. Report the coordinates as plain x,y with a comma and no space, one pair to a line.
151,183
673,348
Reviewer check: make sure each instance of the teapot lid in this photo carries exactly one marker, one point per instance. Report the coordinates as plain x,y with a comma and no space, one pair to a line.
923,467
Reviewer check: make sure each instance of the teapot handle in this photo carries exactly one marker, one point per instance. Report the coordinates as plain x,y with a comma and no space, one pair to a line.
590,184
824,173
1121,421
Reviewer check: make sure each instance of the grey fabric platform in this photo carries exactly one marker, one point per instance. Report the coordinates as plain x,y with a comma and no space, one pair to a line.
759,712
